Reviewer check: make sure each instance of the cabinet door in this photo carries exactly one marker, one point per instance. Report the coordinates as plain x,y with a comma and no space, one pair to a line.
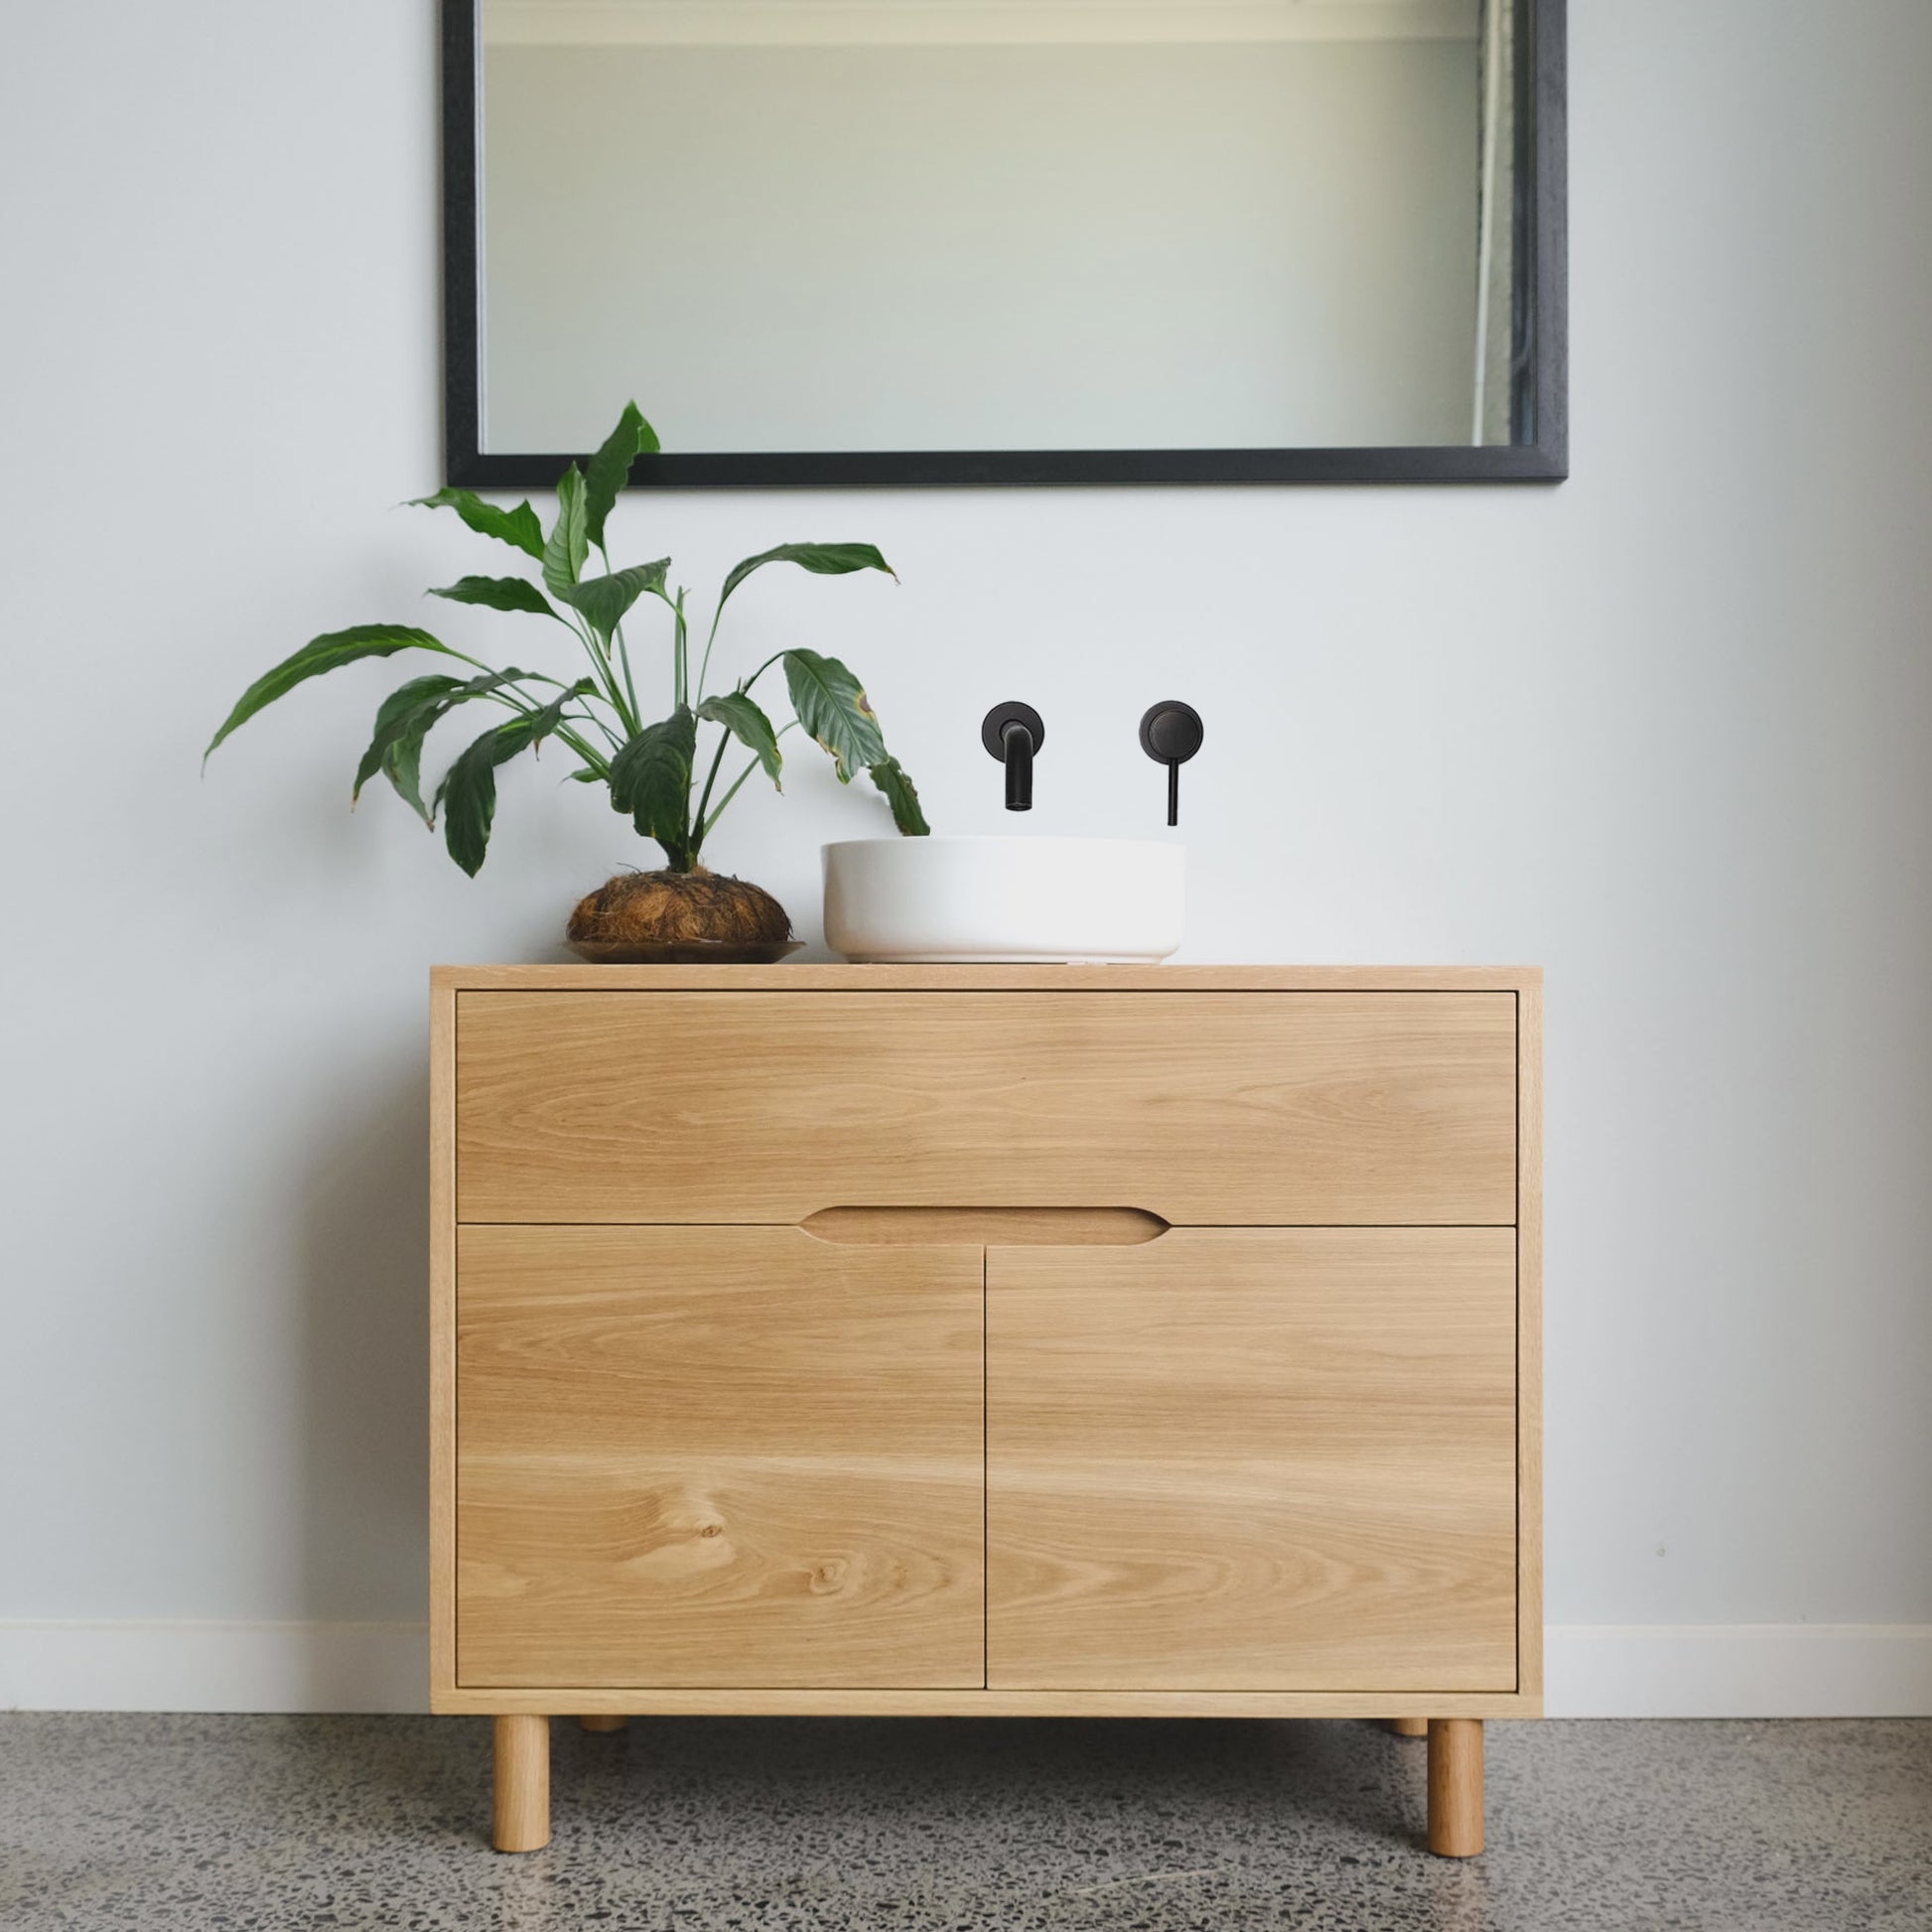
1199,1107
1251,1458
717,1456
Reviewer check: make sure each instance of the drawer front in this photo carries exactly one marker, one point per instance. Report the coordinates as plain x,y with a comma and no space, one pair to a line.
717,1456
1202,1108
1254,1460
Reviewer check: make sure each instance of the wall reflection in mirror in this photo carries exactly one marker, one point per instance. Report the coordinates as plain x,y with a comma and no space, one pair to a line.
1006,225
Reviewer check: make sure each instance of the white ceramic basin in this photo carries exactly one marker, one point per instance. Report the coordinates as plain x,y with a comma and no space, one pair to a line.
1011,900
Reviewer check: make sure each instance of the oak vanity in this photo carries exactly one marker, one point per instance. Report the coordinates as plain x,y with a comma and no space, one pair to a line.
992,1340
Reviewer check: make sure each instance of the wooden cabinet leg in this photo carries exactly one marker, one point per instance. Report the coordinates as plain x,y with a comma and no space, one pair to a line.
520,1817
601,1725
1409,1726
1456,1786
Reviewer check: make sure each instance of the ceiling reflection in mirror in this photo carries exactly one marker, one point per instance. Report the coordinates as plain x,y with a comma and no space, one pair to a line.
1004,225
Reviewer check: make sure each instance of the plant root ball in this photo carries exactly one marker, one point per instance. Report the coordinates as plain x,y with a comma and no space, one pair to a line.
650,909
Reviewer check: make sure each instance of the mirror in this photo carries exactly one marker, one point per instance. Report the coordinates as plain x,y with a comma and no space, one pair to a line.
963,242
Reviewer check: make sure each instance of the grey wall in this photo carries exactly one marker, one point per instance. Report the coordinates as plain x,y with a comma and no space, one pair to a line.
1663,728
983,247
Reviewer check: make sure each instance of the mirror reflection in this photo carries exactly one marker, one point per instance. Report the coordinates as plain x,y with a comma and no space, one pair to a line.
1002,224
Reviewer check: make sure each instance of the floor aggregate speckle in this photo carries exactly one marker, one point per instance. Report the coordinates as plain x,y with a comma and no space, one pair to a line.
266,1823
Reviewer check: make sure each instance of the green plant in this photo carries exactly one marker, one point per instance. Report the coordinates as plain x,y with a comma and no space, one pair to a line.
650,768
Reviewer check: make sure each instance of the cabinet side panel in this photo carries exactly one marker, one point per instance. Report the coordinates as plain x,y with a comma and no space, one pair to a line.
442,1336
1529,1340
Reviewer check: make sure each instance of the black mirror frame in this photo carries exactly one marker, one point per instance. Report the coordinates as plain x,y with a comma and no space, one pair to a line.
1541,391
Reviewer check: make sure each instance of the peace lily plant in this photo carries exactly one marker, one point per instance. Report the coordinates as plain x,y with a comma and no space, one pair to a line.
650,768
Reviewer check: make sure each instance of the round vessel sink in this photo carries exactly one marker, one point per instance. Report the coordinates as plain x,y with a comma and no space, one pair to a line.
1017,901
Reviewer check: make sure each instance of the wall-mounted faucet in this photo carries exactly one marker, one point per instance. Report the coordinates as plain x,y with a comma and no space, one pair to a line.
1012,733
1171,734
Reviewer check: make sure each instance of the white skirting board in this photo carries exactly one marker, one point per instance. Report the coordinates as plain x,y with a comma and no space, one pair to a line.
101,1666
1738,1670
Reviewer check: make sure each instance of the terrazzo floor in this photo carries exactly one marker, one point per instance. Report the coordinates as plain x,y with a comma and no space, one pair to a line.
262,1824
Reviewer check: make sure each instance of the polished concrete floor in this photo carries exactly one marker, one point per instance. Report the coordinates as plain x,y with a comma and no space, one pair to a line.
260,1823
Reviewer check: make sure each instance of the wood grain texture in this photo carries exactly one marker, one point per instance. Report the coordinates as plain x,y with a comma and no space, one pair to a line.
791,977
656,1702
604,1697
1529,1340
442,1336
841,978
717,1456
1254,1460
521,1810
1456,1787
1197,1107
983,1228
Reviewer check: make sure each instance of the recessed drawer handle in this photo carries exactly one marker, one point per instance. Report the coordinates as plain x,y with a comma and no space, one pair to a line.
987,1227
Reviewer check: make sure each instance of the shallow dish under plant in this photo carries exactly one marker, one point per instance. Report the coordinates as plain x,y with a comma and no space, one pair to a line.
648,768
687,952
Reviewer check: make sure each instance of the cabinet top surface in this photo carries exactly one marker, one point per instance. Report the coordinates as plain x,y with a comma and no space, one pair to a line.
833,978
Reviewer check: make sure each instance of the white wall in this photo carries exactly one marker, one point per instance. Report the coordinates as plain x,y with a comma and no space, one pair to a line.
1663,728
983,247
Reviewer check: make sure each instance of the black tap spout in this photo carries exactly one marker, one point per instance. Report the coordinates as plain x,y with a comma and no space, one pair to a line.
1017,742
1012,733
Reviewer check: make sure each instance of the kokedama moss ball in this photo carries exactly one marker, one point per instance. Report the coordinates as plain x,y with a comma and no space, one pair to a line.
653,909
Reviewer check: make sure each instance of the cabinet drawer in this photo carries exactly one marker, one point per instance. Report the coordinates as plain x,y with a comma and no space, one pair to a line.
1254,1460
1203,1108
717,1456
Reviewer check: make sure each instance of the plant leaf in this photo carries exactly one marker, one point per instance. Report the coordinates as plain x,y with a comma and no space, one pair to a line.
403,767
823,559
499,594
541,723
320,654
650,778
468,790
406,717
385,746
547,719
569,543
519,526
609,470
831,705
890,778
605,599
468,793
742,717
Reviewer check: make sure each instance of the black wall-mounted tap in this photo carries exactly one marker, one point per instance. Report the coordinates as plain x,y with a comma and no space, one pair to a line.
1013,733
1171,734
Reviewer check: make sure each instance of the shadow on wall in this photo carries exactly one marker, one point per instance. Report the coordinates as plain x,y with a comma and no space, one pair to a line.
364,1352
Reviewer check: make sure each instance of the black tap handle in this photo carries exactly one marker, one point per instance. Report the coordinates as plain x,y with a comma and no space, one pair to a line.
1171,734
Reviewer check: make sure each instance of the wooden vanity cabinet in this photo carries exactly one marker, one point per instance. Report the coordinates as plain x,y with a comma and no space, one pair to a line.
1066,1340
